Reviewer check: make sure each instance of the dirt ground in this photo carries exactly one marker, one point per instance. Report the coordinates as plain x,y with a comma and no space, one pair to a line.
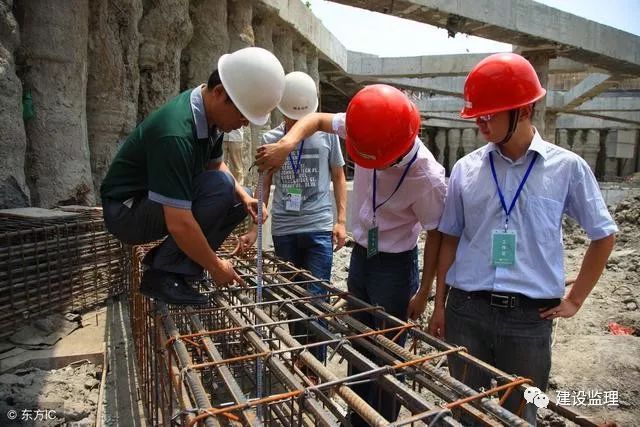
60,397
587,359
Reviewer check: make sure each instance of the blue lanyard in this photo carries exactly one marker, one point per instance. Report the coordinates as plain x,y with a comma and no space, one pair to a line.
296,167
513,202
404,174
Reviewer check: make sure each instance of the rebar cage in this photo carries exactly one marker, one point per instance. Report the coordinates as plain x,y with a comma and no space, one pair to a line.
47,265
242,362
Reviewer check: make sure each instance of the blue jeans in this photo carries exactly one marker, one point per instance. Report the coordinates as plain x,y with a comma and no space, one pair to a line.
388,280
314,252
516,341
215,208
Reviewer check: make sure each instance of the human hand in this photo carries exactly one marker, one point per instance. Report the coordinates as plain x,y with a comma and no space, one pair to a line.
245,242
567,308
436,323
339,236
270,157
416,306
251,206
225,275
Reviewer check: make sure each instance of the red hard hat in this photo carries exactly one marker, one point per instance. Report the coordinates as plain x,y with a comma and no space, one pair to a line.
500,82
382,124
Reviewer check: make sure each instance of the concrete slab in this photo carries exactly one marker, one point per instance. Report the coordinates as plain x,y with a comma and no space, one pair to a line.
83,343
35,213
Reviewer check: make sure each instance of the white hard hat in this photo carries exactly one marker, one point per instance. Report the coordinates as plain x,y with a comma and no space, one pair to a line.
254,80
300,95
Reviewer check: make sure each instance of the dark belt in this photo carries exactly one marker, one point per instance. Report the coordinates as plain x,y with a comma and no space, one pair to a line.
509,300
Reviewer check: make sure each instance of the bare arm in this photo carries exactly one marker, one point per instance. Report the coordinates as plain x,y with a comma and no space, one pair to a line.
272,156
591,269
340,195
188,235
430,260
447,256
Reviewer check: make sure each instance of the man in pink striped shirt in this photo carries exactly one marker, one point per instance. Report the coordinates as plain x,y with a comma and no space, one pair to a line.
398,191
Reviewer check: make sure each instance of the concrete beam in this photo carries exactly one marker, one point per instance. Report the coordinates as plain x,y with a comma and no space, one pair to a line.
630,117
360,64
518,22
440,85
571,121
564,121
449,116
589,87
601,104
611,103
446,123
303,21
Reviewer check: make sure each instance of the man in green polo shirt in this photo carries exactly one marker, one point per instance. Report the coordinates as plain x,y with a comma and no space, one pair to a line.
169,179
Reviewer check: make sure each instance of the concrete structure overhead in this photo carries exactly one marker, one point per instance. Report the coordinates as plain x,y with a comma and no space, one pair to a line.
518,22
152,50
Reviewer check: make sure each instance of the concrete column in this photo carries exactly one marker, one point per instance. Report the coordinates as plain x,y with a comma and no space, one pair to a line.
283,50
480,141
429,139
165,30
14,192
54,48
591,147
455,148
299,55
241,35
283,47
610,163
540,61
209,42
550,126
441,143
468,140
312,66
239,20
113,57
263,24
563,139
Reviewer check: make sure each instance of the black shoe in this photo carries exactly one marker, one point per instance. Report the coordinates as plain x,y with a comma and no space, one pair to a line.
169,288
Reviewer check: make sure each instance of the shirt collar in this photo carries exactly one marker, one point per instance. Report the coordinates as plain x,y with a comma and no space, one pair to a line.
199,115
407,157
537,144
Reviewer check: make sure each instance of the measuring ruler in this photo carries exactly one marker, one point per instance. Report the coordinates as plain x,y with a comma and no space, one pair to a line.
259,367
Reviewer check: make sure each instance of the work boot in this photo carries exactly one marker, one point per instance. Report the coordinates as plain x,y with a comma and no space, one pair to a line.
169,288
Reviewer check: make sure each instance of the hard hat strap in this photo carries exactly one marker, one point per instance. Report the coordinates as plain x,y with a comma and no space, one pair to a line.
514,115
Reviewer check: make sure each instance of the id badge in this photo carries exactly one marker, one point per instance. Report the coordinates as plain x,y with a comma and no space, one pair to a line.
503,248
372,242
293,199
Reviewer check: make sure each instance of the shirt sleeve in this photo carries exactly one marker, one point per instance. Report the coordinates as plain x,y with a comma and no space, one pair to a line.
428,207
586,205
169,172
335,152
339,124
452,221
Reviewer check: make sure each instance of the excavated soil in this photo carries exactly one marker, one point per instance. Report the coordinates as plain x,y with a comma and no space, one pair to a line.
587,358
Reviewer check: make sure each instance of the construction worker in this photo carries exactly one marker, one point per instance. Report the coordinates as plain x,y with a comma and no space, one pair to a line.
168,179
500,274
302,223
232,144
398,190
